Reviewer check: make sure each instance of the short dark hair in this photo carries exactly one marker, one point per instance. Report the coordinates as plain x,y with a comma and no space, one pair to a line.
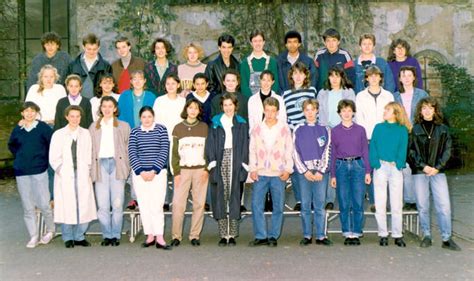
184,113
227,38
122,39
346,103
50,37
337,70
30,104
232,97
200,75
174,77
98,89
145,109
332,33
292,34
256,33
267,72
231,71
165,42
90,38
373,69
73,107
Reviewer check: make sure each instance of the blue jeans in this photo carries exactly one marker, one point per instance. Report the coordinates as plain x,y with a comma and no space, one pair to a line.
295,185
439,188
109,191
350,189
408,188
260,189
34,192
74,231
313,192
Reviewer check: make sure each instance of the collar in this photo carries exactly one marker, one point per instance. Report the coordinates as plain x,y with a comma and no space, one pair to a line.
147,130
253,56
83,57
373,60
159,66
31,127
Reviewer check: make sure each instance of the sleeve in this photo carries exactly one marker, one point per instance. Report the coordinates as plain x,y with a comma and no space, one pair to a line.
414,152
388,84
313,73
55,153
149,79
274,69
59,116
175,156
373,155
245,146
33,74
133,153
210,149
446,153
349,69
325,160
402,149
88,113
288,151
13,142
253,150
365,150
299,164
419,79
30,94
164,147
212,79
332,165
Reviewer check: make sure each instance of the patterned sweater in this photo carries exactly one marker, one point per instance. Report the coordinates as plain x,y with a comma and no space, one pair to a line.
189,146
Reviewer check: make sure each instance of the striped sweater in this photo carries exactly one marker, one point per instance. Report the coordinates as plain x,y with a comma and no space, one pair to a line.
148,150
294,104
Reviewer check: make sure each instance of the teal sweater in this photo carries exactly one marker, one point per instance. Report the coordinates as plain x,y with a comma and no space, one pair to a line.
389,143
258,66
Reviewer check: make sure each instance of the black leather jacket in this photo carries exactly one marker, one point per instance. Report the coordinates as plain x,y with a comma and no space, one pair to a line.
214,71
434,152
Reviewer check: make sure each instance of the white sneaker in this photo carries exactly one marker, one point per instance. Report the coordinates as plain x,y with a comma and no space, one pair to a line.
32,243
47,238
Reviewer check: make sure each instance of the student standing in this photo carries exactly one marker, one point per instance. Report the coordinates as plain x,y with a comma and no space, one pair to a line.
270,165
192,53
388,151
202,95
29,144
70,157
125,64
231,83
227,154
399,56
350,171
106,88
157,70
148,150
311,155
430,150
110,168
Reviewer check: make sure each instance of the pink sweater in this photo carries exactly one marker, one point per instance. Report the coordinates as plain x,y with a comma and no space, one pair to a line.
271,159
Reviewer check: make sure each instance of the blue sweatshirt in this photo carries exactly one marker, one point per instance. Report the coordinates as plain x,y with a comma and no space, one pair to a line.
30,149
389,143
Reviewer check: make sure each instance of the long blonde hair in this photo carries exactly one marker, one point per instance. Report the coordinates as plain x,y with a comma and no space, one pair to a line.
40,74
400,114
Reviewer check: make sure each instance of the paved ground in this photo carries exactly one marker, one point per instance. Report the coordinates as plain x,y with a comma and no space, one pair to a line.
209,262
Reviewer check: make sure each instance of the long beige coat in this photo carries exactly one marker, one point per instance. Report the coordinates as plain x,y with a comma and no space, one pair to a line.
60,159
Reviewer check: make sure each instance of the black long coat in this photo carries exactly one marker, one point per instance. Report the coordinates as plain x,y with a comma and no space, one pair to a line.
240,154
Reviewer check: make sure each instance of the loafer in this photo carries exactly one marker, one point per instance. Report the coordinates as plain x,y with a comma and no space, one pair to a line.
324,241
114,242
83,243
329,206
258,242
175,243
414,207
407,207
163,247
450,245
222,242
148,244
195,242
69,244
231,242
426,242
306,241
399,242
383,241
297,207
272,242
106,242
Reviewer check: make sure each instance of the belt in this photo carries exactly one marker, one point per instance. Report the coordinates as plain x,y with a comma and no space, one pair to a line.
349,158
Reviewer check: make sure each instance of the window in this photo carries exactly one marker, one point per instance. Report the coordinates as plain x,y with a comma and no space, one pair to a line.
431,77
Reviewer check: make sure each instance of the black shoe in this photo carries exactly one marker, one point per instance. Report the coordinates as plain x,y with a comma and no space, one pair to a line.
258,242
355,241
166,207
243,209
195,242
272,242
83,243
114,242
175,243
297,207
106,242
372,208
164,247
222,242
306,241
324,241
132,205
207,208
426,242
231,242
69,244
348,241
383,241
399,242
329,206
450,245
148,244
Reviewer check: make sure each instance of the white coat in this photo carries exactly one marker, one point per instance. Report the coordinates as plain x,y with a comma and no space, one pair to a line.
60,159
255,109
369,112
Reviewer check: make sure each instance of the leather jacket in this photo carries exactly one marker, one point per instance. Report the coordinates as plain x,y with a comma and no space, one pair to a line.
215,71
434,152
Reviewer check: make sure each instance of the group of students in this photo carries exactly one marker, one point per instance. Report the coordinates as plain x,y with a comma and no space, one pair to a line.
262,121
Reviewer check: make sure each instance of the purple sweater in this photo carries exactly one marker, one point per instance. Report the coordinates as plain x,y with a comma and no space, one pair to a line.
312,148
349,142
410,61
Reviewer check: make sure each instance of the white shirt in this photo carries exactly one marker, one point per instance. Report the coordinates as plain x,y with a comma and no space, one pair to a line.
168,112
107,148
227,124
201,99
47,100
95,104
76,101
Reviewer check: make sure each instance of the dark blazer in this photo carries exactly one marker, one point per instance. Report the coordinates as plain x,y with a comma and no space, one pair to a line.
240,155
100,68
153,82
60,121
